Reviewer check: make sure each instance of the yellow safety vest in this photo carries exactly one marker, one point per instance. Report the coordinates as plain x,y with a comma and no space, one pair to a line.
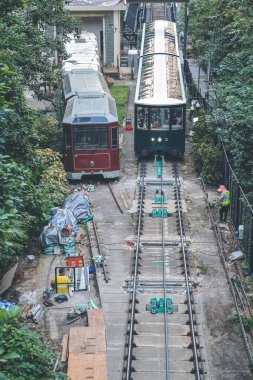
226,201
63,283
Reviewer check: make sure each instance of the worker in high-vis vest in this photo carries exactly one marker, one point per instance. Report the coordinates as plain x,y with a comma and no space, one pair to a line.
62,282
225,203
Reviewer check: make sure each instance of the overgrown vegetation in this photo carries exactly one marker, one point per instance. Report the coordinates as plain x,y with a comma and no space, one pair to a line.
18,344
221,35
31,172
206,150
32,178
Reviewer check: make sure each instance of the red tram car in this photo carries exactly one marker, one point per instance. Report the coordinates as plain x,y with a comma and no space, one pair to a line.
90,123
90,126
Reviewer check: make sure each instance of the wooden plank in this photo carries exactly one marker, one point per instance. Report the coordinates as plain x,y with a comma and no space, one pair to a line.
95,317
87,339
82,366
64,348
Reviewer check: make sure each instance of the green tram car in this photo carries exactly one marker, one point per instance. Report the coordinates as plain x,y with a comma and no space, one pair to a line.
160,103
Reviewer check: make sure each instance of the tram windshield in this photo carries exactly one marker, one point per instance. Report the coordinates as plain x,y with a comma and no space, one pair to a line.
90,138
170,118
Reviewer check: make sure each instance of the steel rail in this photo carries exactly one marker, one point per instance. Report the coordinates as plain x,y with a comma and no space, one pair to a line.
98,248
164,283
188,293
133,299
114,197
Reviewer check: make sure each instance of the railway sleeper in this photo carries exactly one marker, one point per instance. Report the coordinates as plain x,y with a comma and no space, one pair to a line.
186,302
190,346
133,345
134,332
129,321
194,322
136,301
133,357
187,312
191,359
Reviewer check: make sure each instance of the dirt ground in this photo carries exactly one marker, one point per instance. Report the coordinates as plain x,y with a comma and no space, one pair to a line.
223,347
33,278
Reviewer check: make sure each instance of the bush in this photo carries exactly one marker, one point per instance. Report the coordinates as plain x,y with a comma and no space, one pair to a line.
18,344
51,186
26,198
206,151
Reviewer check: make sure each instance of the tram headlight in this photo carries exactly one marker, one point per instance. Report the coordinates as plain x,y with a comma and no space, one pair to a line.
159,139
152,139
92,163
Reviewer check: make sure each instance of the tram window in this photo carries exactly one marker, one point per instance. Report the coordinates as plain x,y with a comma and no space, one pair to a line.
67,139
142,118
114,138
155,118
90,138
160,118
176,119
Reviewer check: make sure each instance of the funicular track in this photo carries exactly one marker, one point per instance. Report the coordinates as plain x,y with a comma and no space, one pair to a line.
161,345
158,11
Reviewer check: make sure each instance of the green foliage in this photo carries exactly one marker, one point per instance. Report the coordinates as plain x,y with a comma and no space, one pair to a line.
7,315
206,151
23,129
50,186
13,231
5,74
49,132
247,323
120,94
29,39
32,30
221,34
27,195
24,346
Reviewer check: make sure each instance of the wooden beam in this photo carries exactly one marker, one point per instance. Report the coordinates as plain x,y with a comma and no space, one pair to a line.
64,348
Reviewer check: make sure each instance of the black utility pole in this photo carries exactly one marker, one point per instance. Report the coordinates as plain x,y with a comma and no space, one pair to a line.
185,30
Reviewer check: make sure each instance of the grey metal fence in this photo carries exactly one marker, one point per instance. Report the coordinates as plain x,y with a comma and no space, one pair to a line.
241,212
194,92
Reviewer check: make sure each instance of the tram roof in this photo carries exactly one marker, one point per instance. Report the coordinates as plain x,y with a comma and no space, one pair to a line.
160,81
90,108
84,81
83,52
